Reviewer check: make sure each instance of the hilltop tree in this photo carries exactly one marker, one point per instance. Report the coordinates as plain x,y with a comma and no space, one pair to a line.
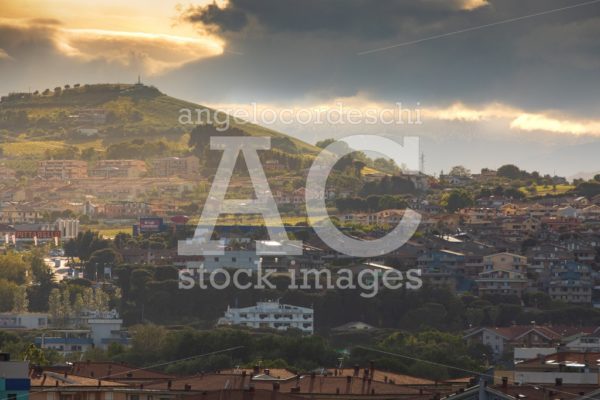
324,143
358,167
460,170
456,199
588,189
509,171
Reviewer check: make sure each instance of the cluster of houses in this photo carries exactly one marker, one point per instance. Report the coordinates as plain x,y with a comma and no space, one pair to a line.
159,167
85,331
120,381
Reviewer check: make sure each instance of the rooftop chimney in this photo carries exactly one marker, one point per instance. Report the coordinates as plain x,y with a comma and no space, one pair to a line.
275,391
312,382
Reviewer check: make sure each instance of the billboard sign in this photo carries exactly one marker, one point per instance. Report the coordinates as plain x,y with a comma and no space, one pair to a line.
150,224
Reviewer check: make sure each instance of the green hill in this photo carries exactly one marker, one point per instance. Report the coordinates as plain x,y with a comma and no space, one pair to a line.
72,119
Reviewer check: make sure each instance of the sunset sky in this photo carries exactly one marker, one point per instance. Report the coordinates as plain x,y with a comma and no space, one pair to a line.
533,78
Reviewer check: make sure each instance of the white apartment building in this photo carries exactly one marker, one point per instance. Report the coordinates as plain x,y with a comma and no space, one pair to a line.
233,259
271,314
24,320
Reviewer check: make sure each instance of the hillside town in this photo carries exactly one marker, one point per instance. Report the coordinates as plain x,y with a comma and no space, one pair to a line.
478,240
299,200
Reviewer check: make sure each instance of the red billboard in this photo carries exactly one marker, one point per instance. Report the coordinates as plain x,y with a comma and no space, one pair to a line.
38,234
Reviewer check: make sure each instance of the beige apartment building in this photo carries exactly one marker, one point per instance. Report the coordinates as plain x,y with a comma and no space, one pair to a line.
62,169
175,166
118,169
503,273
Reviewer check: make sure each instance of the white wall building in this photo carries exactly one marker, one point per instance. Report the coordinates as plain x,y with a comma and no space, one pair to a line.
590,343
271,315
235,259
23,321
95,330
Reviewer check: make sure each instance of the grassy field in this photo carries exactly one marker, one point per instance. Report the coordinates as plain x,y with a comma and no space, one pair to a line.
111,232
30,148
541,190
108,233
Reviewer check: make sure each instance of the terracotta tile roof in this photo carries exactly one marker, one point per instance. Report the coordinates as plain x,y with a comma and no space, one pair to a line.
319,384
53,379
278,373
382,376
466,379
116,371
270,395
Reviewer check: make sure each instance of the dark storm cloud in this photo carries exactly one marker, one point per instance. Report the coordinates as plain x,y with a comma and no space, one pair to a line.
223,19
363,18
293,49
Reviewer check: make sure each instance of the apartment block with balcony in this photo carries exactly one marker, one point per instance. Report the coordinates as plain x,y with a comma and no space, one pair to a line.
62,169
570,282
118,169
504,274
175,166
271,314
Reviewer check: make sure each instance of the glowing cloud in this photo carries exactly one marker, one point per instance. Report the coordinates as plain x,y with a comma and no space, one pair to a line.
4,55
514,118
541,122
473,4
154,53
